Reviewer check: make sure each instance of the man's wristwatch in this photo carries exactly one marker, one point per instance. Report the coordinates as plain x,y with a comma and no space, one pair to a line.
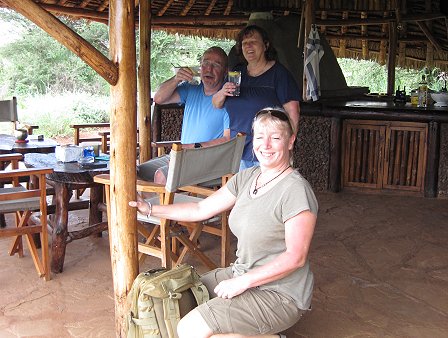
198,145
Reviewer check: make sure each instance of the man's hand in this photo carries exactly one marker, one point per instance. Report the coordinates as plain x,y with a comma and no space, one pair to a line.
184,74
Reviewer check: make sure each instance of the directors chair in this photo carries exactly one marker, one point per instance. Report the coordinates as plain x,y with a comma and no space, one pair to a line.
17,199
8,114
188,168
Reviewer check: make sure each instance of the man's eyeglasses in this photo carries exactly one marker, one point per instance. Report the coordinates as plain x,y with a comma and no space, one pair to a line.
211,64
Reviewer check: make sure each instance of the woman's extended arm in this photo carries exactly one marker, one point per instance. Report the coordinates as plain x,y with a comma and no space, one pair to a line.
293,110
298,233
219,201
220,96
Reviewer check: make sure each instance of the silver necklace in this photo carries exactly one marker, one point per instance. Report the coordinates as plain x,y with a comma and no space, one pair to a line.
265,184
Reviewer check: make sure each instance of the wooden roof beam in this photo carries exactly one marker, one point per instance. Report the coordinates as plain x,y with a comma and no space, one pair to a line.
235,28
378,21
55,28
429,35
187,7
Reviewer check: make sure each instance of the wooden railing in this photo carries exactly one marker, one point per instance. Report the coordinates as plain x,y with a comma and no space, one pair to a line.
77,137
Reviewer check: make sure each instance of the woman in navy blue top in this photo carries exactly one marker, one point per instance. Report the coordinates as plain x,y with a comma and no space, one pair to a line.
264,83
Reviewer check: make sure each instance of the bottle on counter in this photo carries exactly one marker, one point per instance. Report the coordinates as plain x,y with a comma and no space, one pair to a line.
414,97
423,93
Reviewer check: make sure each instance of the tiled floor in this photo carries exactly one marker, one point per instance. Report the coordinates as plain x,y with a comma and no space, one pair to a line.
380,265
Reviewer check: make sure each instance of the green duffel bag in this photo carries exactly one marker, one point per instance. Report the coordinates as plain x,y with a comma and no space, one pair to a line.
159,298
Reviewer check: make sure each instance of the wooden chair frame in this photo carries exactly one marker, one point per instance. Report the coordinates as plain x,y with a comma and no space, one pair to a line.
24,226
163,239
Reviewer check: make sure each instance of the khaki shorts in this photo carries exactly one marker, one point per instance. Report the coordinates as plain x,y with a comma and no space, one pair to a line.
253,312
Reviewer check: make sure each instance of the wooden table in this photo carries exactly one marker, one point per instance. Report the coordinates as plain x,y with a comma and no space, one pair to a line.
8,145
66,178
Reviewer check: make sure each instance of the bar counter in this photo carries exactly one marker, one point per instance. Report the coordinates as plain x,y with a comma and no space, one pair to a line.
342,145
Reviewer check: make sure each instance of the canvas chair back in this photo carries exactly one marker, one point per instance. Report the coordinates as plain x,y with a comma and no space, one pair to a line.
195,166
8,115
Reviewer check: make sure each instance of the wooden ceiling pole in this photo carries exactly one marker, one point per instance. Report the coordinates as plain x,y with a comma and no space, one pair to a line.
59,31
309,20
383,43
343,43
123,145
144,82
391,58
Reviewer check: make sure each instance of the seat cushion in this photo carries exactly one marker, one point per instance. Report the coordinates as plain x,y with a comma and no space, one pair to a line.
30,203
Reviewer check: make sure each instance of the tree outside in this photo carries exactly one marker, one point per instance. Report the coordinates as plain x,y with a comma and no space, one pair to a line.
52,84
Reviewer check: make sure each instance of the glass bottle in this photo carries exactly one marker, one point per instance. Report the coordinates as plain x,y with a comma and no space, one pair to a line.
423,93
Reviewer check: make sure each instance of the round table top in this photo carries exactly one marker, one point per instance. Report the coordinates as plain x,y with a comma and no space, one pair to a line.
69,172
8,144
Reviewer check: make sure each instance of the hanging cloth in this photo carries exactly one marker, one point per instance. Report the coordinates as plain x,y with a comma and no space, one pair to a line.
314,53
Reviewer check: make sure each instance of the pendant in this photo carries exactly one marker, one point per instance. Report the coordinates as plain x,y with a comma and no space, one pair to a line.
255,191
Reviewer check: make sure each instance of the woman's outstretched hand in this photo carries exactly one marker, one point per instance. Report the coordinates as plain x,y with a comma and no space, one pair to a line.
141,205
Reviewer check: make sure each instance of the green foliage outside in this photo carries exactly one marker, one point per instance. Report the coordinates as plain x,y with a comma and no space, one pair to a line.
371,74
55,88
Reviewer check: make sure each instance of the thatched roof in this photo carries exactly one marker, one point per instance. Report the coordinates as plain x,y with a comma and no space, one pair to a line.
354,29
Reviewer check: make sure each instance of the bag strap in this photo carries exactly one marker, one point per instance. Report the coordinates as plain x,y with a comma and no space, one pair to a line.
171,315
171,311
200,293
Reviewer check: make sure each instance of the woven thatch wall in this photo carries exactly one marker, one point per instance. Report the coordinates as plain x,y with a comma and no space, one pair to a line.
443,164
312,151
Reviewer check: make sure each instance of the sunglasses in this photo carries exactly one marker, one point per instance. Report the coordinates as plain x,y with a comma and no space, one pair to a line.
281,115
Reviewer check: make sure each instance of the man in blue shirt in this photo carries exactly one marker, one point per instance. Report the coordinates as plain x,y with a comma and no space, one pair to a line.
202,124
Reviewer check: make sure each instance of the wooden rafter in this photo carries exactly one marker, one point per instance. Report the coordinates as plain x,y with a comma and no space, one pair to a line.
164,9
210,7
429,35
187,7
228,7
103,5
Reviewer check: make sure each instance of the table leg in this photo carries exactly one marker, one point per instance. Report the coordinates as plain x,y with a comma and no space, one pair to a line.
96,196
2,216
60,227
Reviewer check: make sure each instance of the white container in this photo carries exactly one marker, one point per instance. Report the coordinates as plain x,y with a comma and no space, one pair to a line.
68,153
440,98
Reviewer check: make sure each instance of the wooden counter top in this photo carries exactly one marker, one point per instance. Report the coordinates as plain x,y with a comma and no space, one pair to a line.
375,110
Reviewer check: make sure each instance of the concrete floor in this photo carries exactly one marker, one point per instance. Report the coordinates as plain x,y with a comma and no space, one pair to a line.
380,265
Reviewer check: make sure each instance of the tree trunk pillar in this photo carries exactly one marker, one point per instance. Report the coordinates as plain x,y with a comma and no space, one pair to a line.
123,143
144,83
392,56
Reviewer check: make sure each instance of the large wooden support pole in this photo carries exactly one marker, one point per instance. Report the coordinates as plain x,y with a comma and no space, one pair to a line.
144,82
432,160
55,28
334,184
308,21
123,118
391,57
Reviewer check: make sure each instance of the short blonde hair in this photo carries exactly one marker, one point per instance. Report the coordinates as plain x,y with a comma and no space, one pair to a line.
274,117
